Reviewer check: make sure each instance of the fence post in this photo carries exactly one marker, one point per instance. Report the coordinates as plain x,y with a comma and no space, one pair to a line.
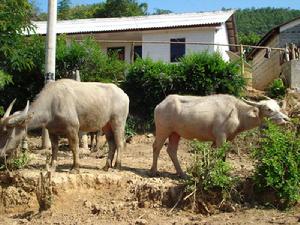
287,54
242,60
132,53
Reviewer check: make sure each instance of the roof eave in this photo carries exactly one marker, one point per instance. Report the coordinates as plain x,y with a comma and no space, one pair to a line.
143,29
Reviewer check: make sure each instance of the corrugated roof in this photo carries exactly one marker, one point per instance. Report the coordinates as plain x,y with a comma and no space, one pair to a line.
137,22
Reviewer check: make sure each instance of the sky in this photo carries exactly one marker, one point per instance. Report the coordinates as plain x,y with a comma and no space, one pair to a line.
181,6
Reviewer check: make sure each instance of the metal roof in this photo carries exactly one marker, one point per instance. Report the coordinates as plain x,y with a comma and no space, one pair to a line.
137,22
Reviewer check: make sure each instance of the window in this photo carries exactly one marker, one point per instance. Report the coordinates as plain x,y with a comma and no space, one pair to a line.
118,52
138,52
177,50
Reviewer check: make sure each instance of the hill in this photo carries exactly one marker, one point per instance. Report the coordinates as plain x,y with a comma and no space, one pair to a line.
253,23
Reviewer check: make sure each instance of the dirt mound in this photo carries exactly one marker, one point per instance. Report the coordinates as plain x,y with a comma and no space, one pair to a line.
129,196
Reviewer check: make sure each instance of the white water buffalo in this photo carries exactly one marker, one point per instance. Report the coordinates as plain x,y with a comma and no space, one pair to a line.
66,107
215,118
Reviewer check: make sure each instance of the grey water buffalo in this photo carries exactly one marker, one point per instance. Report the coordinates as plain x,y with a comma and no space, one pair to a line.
215,118
66,107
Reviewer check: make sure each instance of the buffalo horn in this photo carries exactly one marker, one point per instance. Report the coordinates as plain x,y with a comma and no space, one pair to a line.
266,97
26,108
7,113
251,103
19,117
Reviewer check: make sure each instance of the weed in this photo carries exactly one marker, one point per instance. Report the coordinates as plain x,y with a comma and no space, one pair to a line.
277,89
277,165
209,171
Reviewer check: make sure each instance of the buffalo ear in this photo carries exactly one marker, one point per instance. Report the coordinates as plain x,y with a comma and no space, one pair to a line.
253,113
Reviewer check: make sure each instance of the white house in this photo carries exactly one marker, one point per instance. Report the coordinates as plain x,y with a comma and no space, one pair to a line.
150,36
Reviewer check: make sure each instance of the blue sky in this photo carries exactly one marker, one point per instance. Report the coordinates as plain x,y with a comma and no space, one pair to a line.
179,6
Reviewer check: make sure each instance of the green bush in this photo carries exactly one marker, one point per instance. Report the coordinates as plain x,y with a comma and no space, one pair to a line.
130,128
209,172
147,82
27,81
277,165
207,73
87,57
276,89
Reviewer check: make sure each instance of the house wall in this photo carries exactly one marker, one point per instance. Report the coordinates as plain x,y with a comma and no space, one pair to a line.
162,51
266,70
291,71
221,37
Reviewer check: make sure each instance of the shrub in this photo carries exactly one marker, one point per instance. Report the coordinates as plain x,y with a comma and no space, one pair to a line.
26,81
277,165
130,128
147,83
87,57
276,89
18,161
209,172
207,73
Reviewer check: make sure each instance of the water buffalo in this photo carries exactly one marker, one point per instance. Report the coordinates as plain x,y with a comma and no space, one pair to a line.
215,118
66,107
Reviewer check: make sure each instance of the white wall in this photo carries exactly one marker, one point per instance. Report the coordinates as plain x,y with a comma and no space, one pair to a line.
162,51
221,37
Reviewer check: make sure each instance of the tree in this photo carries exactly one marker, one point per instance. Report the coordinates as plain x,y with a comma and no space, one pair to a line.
119,8
161,11
63,9
250,31
15,18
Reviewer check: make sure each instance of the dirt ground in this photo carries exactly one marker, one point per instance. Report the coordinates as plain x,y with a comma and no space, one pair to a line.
129,196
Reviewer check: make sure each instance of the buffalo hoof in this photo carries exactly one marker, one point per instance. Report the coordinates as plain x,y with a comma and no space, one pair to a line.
52,169
75,171
153,173
106,167
118,165
183,176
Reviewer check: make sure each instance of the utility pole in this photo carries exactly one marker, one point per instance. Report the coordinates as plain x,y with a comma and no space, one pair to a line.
50,57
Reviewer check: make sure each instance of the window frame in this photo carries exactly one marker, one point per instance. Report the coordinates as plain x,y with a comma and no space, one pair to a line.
177,50
116,51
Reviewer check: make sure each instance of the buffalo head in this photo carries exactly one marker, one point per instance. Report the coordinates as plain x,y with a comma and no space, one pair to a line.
12,129
270,109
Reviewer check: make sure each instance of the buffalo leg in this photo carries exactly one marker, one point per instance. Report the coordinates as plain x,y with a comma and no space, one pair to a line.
54,145
172,151
97,139
220,140
157,145
74,146
112,148
119,140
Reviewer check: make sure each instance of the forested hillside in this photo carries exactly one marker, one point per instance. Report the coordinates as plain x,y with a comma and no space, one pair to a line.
254,23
